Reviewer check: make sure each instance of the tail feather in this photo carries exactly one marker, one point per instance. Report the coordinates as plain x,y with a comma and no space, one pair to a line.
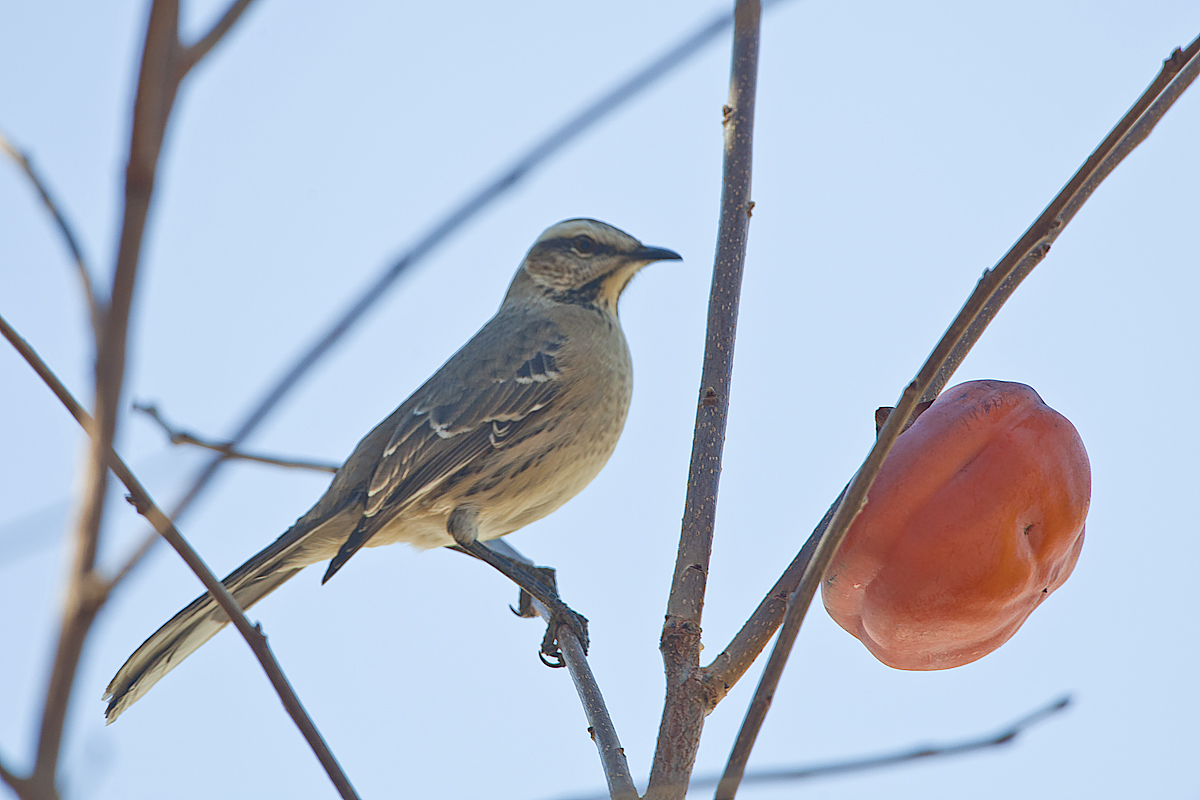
203,618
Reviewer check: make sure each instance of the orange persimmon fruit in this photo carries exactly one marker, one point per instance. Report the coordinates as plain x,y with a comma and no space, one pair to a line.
976,517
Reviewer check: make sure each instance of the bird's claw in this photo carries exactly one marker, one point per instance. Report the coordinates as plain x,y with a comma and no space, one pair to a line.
550,654
524,607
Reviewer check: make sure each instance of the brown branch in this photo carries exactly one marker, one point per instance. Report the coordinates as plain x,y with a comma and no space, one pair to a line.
533,158
600,724
192,55
64,227
179,436
994,288
1006,735
158,82
83,599
141,500
686,703
15,782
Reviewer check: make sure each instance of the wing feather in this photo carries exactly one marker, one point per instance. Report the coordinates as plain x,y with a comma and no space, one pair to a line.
466,410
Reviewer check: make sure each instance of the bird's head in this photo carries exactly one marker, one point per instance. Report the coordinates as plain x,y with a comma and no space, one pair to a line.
584,262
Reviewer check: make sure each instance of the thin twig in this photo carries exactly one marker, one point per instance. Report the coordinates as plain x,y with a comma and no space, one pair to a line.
686,704
1006,735
533,158
64,227
179,436
996,285
600,724
146,507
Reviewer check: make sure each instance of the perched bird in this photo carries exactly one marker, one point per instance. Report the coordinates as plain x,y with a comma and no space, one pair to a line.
516,423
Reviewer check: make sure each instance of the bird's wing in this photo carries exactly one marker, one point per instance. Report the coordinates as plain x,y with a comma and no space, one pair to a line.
486,397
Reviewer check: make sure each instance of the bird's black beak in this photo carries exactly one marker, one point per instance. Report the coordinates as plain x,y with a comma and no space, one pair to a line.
655,254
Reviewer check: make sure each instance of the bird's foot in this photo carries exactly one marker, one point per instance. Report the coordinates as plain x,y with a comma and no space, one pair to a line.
550,654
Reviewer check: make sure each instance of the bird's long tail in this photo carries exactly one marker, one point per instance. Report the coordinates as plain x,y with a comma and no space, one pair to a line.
200,621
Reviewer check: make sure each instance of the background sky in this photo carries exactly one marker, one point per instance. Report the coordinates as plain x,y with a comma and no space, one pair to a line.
900,149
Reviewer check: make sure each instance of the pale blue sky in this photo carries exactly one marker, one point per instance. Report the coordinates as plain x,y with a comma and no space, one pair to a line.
900,149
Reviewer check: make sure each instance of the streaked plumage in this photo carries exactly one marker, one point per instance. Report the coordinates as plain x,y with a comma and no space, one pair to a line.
516,423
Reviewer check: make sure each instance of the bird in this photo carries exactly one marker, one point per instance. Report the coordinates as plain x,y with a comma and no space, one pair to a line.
512,426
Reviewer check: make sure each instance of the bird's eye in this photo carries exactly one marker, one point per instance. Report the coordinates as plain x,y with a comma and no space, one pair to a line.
583,245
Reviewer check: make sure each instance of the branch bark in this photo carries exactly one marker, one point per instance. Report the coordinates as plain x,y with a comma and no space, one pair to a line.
600,724
687,702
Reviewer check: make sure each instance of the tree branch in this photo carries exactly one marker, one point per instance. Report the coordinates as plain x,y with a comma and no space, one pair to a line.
141,500
993,289
64,227
192,55
158,82
600,724
179,436
15,782
686,703
1006,735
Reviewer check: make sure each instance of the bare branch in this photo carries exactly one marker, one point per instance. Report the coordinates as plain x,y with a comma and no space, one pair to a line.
192,55
1006,735
158,82
600,724
1127,134
179,436
727,668
72,241
686,702
141,500
994,288
82,597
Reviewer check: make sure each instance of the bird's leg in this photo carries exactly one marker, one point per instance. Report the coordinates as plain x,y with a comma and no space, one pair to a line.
531,579
525,607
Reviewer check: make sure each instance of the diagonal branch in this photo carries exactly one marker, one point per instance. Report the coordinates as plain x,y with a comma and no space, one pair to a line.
178,436
141,500
534,157
64,227
600,724
686,703
994,288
